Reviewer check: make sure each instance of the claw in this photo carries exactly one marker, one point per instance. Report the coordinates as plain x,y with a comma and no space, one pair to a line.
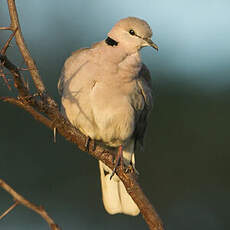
134,168
119,158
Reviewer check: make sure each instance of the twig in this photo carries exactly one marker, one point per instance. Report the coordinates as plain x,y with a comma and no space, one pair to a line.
6,28
3,50
24,105
21,200
23,49
9,209
18,82
3,75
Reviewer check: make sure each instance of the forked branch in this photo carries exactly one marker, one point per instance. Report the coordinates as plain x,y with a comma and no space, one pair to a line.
21,200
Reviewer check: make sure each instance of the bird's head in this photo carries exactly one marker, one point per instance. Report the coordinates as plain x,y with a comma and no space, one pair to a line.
132,33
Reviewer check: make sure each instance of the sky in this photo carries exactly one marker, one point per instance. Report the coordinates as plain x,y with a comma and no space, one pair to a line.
193,36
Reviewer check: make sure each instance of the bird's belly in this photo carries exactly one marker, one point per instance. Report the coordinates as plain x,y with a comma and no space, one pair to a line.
113,116
114,128
101,113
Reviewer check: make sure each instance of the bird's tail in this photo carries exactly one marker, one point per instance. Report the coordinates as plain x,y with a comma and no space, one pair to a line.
115,197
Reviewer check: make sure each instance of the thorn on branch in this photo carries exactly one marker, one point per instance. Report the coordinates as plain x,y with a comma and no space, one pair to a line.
24,69
55,134
20,68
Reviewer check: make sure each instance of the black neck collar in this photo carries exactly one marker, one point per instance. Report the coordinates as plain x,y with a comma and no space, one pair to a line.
109,41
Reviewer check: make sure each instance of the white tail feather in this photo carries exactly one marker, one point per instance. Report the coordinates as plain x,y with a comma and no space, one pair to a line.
115,197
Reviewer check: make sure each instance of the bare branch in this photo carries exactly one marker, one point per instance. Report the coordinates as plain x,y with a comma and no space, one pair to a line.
3,50
23,49
3,75
23,104
6,28
2,53
9,209
21,200
18,82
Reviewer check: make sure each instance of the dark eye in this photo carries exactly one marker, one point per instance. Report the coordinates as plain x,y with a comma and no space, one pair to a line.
132,32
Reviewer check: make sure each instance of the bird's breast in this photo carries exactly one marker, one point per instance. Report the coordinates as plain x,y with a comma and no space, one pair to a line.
113,114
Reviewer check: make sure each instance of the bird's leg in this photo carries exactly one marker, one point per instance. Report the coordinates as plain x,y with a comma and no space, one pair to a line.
119,158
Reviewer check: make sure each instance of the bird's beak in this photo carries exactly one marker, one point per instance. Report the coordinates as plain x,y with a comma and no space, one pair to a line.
151,43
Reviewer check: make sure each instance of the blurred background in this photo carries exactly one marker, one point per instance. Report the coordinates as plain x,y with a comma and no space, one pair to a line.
185,164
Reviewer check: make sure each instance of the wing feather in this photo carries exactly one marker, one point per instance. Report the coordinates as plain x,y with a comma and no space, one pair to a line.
72,64
145,88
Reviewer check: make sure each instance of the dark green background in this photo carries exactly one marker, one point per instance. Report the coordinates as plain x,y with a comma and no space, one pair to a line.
185,164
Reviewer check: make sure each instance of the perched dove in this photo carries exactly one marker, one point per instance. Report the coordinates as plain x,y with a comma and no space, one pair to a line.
106,94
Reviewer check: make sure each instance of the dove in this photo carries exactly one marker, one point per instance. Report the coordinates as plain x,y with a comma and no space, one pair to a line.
106,94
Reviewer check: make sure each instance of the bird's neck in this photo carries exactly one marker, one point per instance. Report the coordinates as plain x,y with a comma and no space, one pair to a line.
125,59
131,62
117,57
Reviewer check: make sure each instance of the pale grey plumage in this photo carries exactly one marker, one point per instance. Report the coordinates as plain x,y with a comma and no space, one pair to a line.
106,93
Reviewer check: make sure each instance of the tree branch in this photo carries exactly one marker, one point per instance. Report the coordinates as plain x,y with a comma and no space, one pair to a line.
24,105
9,209
18,80
3,50
21,200
6,28
23,49
44,109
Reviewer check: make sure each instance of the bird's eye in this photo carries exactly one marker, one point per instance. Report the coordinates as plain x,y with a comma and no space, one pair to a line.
132,32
